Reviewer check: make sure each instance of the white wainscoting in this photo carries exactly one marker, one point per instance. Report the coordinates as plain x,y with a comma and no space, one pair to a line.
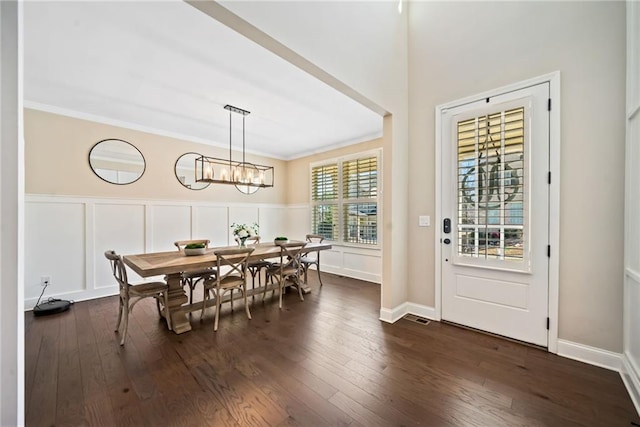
631,356
631,319
66,236
349,261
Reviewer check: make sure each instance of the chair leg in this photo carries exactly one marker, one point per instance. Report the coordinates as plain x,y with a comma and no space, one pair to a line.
281,287
246,306
231,299
218,305
266,282
126,324
253,283
319,278
120,303
299,286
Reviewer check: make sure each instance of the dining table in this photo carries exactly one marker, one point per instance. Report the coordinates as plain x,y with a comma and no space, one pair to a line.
173,264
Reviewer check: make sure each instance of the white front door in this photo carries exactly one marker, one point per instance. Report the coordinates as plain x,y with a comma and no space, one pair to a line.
495,205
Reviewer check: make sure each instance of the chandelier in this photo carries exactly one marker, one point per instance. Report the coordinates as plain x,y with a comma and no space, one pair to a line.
247,177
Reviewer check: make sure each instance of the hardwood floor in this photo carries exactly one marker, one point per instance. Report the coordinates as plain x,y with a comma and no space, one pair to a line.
325,361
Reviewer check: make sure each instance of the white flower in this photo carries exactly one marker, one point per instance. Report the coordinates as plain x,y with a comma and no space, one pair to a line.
243,230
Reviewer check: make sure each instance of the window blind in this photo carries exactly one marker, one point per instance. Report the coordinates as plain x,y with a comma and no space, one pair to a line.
360,178
324,221
344,200
324,182
491,172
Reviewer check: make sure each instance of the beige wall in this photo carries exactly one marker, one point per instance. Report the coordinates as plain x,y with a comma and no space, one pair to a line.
298,185
365,49
56,158
460,49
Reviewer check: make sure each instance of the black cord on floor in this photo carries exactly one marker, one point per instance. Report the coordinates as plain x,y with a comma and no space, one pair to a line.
42,293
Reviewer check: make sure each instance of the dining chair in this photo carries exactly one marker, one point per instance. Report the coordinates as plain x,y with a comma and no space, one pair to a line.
231,269
255,267
288,271
191,278
131,294
308,260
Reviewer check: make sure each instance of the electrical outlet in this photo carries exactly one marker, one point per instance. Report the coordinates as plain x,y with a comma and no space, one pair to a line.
45,281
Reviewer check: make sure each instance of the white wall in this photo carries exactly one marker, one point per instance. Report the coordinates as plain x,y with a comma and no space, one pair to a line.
11,208
66,237
631,322
459,49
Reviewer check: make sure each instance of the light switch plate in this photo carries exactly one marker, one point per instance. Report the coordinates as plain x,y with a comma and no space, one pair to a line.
424,220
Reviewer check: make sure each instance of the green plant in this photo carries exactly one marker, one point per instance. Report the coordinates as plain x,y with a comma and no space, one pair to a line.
195,246
281,238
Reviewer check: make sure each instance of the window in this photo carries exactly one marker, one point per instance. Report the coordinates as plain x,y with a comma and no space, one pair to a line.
344,199
491,190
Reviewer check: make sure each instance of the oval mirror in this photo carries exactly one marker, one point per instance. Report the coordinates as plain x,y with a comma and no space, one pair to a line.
116,161
185,170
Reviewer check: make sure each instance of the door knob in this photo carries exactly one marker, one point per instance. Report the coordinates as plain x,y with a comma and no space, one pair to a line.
446,241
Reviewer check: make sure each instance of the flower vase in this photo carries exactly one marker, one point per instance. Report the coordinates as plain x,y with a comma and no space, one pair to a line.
242,242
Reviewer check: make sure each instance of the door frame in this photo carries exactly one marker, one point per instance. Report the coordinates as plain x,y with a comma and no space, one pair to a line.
554,192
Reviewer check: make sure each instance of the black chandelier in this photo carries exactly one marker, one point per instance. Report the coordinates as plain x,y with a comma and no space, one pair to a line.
247,177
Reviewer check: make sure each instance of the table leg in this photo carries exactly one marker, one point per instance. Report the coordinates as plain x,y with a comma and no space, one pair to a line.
177,297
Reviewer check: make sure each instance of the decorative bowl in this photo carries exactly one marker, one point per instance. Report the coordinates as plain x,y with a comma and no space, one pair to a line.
196,251
280,240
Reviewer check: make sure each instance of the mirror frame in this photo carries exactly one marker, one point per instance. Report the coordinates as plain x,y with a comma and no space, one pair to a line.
144,161
175,171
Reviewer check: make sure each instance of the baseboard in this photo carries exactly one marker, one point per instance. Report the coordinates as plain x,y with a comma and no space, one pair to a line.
591,355
74,296
630,374
395,314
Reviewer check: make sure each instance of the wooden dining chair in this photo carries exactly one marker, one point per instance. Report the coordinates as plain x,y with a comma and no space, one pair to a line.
312,259
192,278
289,270
255,267
231,274
131,294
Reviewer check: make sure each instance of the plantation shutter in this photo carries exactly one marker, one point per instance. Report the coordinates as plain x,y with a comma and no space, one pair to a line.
324,182
360,178
360,208
324,194
491,186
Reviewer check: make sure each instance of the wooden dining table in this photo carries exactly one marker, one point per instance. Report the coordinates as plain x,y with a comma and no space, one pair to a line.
173,264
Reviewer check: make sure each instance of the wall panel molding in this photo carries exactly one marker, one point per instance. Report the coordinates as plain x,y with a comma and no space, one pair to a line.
67,236
630,373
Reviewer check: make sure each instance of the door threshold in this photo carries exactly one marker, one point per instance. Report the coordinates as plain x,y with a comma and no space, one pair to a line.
491,334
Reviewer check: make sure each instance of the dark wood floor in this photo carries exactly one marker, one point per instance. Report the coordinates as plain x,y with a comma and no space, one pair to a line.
325,361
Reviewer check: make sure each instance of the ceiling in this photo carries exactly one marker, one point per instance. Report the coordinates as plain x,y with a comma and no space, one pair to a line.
166,67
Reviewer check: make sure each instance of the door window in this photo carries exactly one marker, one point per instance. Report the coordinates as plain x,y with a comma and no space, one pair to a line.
491,196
